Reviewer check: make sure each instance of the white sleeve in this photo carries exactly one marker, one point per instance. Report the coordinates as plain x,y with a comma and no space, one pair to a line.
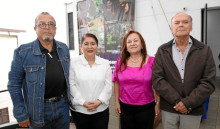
106,93
75,95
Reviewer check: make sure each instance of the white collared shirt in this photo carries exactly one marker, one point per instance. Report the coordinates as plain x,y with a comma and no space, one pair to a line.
90,83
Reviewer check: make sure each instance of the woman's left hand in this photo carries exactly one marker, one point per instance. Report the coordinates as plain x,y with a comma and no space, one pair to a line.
157,110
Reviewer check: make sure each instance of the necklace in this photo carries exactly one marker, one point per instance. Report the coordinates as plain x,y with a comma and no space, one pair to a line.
135,61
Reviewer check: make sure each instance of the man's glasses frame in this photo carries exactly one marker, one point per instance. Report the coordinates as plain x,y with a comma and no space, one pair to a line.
43,25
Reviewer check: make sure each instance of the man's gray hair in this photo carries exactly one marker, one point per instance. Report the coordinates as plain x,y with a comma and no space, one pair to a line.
44,13
184,13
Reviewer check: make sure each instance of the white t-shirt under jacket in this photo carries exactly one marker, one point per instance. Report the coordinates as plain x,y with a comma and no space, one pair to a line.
90,83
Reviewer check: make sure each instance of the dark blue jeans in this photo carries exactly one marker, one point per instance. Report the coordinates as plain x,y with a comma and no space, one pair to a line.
56,115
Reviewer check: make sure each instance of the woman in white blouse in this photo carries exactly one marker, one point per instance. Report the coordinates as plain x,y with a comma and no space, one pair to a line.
90,86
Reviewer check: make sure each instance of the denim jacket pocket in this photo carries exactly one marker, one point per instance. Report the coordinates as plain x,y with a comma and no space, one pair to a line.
31,74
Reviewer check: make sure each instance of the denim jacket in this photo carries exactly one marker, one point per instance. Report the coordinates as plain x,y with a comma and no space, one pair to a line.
27,80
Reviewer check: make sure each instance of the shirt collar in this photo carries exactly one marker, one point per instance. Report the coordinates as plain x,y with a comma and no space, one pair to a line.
189,43
85,62
45,50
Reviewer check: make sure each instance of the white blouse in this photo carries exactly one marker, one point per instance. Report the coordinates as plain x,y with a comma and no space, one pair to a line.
90,83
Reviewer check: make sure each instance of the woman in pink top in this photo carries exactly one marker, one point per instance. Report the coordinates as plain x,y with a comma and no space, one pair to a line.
134,96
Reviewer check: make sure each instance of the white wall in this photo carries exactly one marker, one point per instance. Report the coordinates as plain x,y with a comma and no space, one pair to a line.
151,23
6,53
20,14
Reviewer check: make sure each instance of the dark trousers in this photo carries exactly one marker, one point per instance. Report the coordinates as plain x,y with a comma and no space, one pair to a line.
137,116
94,121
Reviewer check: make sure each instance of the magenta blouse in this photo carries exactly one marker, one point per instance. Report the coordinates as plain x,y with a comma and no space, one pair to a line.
135,83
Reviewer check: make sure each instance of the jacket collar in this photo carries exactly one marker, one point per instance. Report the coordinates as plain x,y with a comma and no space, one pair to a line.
195,45
36,46
85,62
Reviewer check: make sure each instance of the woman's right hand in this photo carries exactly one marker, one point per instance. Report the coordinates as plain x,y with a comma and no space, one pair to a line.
117,108
86,104
89,106
92,105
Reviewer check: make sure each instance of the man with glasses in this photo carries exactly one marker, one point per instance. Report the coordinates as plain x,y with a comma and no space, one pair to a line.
39,79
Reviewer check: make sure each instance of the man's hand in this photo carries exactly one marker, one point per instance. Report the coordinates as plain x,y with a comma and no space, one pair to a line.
25,123
180,107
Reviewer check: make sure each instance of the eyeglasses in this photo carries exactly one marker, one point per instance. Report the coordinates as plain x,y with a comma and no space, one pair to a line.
43,25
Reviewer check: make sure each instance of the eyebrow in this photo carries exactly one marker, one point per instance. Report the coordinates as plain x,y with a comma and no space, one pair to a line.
181,20
47,22
132,39
89,42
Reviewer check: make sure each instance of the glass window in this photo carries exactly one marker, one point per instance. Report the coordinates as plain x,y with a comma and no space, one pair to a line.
71,33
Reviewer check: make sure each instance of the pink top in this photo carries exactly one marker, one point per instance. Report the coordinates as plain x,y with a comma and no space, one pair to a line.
135,83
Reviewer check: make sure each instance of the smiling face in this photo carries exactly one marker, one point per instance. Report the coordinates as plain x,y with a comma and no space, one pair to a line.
133,44
48,31
181,25
89,47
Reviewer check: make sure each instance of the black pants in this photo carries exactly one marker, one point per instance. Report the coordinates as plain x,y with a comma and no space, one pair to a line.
95,121
137,116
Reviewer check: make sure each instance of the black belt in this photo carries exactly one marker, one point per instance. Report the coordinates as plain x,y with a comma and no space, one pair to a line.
54,99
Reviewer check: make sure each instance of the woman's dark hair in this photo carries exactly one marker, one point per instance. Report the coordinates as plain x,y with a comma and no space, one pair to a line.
125,54
89,35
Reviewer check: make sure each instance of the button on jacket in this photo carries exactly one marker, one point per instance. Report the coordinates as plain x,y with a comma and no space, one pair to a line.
90,83
28,71
199,77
